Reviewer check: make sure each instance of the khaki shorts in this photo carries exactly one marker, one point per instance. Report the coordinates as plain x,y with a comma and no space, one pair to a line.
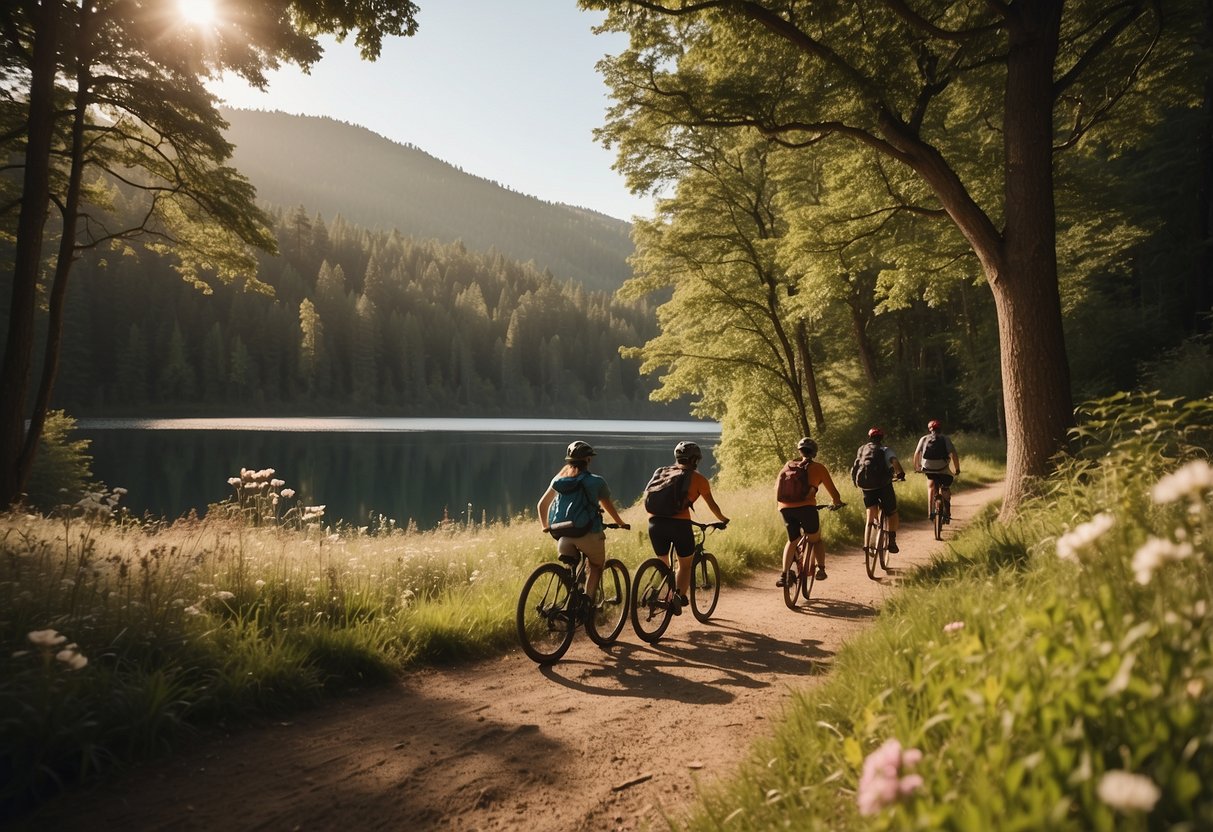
592,545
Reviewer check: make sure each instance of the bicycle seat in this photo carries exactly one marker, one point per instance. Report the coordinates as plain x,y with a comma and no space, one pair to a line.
571,560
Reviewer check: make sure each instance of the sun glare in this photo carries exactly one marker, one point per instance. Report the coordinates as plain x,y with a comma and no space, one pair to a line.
197,12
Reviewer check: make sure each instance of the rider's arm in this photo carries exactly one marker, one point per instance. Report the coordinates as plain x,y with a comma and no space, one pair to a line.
544,502
897,469
918,455
831,489
705,490
609,505
956,462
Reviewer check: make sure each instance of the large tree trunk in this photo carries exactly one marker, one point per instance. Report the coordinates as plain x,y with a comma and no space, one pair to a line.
809,375
1035,370
31,223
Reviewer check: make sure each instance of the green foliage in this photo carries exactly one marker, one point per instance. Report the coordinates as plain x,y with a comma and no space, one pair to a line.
1036,660
62,468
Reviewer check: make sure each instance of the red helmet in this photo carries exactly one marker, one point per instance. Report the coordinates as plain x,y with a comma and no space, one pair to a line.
875,433
934,425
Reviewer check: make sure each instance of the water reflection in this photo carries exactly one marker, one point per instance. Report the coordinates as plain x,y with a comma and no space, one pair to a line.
419,475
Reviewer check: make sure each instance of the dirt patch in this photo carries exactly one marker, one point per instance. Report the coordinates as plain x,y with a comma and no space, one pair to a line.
603,740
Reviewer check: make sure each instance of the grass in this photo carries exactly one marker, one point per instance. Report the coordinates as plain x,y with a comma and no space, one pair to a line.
152,630
1053,673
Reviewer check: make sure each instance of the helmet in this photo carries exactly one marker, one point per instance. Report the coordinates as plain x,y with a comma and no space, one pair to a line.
875,433
934,425
578,450
687,452
807,447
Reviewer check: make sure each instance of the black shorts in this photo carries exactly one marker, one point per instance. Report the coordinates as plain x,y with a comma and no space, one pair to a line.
884,497
801,519
940,478
665,532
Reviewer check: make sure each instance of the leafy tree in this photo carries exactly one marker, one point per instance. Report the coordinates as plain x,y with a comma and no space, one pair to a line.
142,68
972,101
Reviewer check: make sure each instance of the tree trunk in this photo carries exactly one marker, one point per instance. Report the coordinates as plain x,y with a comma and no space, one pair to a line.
809,375
1035,370
1201,291
31,224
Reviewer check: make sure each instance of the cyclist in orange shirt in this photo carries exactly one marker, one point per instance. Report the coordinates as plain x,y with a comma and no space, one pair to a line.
675,530
800,513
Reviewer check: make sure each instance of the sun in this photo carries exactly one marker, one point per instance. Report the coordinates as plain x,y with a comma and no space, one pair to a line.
197,12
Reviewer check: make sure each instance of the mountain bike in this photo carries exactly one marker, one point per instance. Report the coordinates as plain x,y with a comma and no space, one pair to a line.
553,602
942,508
876,542
801,574
655,590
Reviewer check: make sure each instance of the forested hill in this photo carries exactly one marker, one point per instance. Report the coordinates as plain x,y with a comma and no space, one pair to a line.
333,168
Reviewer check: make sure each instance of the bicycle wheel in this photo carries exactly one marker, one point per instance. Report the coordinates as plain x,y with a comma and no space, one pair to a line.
807,580
610,604
939,515
651,591
870,540
882,545
545,628
795,578
705,585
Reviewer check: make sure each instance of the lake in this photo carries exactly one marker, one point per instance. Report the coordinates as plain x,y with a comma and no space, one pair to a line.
420,469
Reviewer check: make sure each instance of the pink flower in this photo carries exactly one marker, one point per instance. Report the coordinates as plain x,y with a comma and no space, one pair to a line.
953,627
881,783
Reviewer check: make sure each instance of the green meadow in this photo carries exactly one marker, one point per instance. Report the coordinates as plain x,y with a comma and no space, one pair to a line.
1019,672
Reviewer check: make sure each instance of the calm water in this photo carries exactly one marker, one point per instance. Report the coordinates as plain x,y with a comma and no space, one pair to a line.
401,468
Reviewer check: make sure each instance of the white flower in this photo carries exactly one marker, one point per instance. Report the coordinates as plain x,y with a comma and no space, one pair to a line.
223,595
258,584
1189,481
1128,792
192,609
72,659
1153,554
288,493
233,480
46,638
953,627
1069,544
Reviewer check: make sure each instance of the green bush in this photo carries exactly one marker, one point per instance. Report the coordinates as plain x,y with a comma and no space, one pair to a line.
62,467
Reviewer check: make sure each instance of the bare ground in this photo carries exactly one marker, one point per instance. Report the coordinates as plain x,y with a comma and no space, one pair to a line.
603,740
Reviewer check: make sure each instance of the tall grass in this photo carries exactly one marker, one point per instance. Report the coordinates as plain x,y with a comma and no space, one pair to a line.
260,608
1054,673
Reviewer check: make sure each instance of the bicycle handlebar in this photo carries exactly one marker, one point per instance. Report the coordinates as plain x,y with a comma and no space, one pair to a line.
706,526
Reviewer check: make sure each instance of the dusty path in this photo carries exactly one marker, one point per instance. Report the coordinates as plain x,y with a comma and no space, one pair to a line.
602,740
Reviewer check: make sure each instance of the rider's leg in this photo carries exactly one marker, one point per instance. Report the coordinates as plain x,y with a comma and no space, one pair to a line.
789,550
931,492
817,552
684,575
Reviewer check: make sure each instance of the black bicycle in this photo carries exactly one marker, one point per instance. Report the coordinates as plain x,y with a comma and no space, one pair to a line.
876,541
801,573
942,508
655,591
553,602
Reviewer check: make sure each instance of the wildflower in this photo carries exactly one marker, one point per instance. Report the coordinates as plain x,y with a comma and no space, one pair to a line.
192,609
277,483
881,783
233,480
474,577
288,493
1189,481
120,492
1069,544
953,627
72,658
1128,792
1153,554
223,595
258,583
46,638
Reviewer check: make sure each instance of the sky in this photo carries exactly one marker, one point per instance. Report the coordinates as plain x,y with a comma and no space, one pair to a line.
503,90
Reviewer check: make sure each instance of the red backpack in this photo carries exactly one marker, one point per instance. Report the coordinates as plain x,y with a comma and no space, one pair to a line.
793,483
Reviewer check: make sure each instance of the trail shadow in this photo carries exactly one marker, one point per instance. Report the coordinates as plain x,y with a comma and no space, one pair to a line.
838,608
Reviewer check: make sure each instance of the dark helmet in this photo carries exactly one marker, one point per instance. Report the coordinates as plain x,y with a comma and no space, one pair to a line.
876,434
578,450
687,452
807,447
934,425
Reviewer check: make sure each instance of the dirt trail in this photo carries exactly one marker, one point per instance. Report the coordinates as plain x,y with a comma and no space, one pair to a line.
602,740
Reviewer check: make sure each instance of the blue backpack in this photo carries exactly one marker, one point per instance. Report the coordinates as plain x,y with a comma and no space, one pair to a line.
572,513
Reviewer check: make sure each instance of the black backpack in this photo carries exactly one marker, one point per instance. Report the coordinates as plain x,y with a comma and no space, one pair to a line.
872,468
936,447
666,493
793,483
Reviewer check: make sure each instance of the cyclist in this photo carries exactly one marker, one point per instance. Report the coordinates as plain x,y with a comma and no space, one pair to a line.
873,472
675,530
934,456
800,515
569,480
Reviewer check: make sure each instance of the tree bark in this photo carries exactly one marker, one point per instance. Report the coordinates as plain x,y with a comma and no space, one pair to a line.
1035,369
31,224
809,375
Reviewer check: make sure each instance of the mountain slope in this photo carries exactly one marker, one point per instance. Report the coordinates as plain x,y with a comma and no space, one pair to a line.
335,168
